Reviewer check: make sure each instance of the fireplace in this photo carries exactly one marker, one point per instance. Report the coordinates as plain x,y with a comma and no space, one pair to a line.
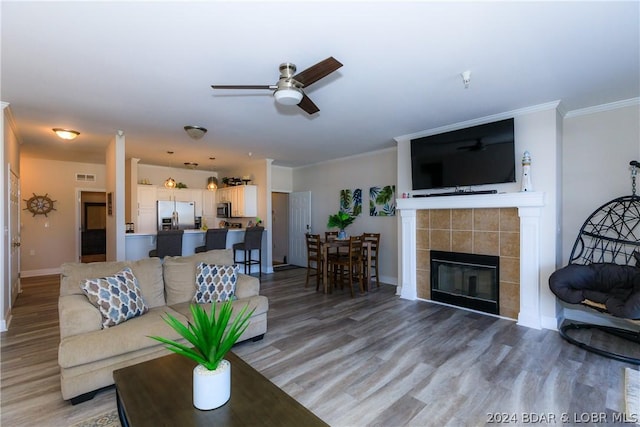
466,280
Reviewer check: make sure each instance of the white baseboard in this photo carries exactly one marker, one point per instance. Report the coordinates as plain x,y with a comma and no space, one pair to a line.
548,322
41,272
389,280
4,323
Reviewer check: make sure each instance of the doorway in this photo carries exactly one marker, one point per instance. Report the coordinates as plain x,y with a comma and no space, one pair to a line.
93,226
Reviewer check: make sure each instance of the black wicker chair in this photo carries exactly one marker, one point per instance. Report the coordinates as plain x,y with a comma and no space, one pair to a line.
600,287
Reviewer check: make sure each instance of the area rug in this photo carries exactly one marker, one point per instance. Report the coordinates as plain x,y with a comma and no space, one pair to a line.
632,394
108,419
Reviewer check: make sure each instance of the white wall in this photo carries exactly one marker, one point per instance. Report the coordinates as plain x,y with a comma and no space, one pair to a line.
192,178
281,179
599,143
325,180
47,242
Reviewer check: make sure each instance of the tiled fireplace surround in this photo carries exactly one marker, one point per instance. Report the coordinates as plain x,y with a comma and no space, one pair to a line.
506,225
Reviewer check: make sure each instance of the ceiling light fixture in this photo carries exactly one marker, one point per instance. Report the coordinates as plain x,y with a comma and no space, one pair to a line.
67,134
170,182
191,165
195,132
288,96
466,78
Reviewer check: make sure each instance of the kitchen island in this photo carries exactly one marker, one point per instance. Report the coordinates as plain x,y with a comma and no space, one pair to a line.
138,245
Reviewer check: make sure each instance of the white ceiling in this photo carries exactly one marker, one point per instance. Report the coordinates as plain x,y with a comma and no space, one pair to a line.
146,68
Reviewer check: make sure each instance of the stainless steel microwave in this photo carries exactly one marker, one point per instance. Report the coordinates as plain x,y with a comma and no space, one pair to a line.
224,210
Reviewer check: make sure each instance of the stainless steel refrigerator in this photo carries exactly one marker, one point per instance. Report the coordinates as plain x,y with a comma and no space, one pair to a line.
176,215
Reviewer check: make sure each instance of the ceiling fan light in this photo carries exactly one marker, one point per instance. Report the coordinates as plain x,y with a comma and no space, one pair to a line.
288,96
67,134
195,132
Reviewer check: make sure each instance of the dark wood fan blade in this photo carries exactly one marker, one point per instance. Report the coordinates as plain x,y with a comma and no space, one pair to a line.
307,105
243,87
318,71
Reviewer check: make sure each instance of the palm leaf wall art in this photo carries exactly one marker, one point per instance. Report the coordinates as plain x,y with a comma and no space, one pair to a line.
382,201
351,201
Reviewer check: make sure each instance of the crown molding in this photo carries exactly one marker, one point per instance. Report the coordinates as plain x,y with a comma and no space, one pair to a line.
603,107
482,120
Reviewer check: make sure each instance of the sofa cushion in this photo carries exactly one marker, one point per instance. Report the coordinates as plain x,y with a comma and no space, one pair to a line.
128,337
215,283
148,271
118,297
180,273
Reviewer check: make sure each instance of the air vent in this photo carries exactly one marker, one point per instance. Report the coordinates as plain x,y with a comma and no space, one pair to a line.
85,177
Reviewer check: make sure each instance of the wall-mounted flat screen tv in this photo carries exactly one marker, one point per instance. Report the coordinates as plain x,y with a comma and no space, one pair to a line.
477,155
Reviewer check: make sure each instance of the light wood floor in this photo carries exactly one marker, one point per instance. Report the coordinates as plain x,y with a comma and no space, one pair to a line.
374,360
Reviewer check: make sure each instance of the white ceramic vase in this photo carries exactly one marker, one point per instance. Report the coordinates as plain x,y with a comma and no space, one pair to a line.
211,389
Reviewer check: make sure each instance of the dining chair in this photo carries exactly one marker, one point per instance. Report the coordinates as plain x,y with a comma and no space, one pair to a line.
314,259
216,238
374,242
331,235
350,266
168,243
252,241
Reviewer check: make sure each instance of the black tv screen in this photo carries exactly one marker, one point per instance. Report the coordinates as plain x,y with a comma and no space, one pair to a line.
477,155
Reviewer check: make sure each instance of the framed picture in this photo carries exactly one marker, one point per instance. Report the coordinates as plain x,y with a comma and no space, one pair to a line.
382,201
110,203
351,201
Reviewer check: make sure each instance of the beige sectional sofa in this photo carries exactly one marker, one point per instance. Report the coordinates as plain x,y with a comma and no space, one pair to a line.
88,354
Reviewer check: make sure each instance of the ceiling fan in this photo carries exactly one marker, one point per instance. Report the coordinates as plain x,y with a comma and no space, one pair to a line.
289,89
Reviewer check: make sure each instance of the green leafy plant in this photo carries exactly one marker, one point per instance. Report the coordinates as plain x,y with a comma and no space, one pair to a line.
341,220
209,335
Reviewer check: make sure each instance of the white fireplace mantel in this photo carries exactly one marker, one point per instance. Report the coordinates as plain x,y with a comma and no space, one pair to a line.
529,206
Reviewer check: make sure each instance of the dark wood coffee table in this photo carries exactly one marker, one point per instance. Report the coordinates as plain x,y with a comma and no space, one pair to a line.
159,393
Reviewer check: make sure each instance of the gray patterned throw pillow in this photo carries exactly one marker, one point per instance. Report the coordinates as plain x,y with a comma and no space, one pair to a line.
215,283
118,297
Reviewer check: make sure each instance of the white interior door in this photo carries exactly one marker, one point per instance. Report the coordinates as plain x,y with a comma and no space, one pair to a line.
299,223
14,235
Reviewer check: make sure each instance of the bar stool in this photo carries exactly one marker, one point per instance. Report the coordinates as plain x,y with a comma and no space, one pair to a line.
252,241
216,238
168,243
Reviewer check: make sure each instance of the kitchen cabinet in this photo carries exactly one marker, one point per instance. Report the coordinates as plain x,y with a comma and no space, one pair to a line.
209,208
246,201
146,221
164,193
243,199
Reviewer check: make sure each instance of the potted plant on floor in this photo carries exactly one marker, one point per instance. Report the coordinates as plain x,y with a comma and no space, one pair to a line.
212,336
341,220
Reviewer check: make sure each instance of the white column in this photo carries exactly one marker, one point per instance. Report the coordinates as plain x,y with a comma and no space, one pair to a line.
408,254
529,267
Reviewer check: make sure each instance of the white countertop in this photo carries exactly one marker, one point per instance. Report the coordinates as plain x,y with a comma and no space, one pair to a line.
185,232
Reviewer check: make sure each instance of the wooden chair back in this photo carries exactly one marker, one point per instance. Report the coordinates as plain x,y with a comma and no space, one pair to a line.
374,242
314,258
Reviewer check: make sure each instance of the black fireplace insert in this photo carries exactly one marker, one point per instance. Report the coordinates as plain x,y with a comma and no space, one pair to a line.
466,280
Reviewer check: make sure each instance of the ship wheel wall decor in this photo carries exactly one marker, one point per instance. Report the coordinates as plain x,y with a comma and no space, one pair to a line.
39,205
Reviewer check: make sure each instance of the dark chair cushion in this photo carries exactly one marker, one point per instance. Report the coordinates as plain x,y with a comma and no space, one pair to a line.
615,286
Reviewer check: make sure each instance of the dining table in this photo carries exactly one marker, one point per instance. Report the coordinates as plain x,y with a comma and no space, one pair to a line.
327,245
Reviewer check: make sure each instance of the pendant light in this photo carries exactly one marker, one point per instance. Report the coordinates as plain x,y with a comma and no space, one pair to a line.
170,182
212,181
